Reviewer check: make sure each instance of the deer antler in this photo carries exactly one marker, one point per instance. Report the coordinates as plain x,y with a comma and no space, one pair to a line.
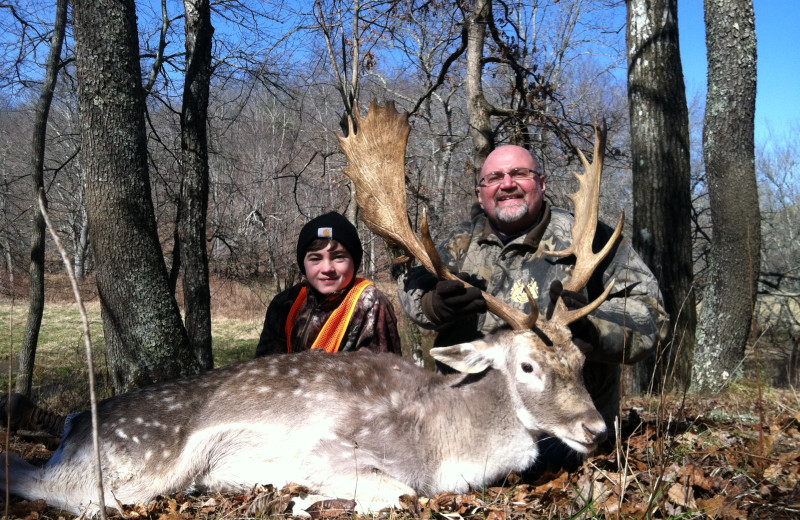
376,153
586,201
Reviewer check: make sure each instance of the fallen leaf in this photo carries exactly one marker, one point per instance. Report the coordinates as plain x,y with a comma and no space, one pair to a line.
682,495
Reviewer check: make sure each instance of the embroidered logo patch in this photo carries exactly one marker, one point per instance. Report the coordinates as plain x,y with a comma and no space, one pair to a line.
325,232
518,291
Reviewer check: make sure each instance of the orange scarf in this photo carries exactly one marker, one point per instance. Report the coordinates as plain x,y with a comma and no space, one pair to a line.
331,334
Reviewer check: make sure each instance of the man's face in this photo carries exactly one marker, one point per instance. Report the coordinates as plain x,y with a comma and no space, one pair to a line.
511,205
329,269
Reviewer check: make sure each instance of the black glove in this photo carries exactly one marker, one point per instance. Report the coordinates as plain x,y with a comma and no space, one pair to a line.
584,334
452,299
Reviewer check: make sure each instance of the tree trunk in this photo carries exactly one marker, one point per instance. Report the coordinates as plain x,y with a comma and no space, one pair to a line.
81,245
729,152
659,119
194,188
144,335
480,125
27,354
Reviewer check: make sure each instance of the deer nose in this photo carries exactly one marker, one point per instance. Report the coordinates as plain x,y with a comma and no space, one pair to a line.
595,434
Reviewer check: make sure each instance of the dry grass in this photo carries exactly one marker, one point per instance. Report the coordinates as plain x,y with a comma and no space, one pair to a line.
60,373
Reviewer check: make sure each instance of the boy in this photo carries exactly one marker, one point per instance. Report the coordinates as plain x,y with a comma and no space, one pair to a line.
331,309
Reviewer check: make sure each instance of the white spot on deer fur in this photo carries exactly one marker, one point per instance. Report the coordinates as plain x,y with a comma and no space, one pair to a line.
175,406
148,455
121,434
138,420
166,454
263,389
294,372
135,439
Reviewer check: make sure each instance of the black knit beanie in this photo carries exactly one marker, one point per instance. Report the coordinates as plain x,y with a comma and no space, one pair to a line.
334,226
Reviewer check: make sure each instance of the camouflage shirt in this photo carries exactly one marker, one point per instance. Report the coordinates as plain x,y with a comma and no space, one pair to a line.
373,325
629,322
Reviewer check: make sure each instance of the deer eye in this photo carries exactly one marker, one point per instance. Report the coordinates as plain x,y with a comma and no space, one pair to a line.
527,368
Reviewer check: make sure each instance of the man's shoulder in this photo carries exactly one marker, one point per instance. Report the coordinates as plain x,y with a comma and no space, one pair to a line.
560,213
560,225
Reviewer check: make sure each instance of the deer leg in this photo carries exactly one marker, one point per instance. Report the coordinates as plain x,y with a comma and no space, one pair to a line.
372,491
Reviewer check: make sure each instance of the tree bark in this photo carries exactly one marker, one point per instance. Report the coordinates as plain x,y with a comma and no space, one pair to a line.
659,119
194,187
729,151
144,335
27,354
479,109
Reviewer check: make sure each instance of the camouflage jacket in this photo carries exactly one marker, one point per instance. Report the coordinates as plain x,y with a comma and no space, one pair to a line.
629,321
373,325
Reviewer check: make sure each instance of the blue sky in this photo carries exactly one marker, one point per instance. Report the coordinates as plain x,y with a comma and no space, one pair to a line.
778,96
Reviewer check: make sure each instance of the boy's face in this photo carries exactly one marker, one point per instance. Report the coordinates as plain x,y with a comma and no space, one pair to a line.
329,269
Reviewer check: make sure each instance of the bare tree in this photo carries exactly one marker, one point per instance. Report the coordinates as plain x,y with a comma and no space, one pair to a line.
194,183
779,282
480,110
27,353
143,331
728,139
659,119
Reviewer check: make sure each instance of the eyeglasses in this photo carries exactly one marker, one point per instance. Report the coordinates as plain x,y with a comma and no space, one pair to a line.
517,174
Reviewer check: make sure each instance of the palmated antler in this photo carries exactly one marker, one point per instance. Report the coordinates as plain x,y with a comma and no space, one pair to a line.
375,148
586,202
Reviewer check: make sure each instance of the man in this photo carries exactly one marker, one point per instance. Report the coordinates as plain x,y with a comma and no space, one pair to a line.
503,248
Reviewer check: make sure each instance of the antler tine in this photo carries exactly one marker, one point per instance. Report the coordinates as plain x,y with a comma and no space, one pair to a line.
586,202
376,153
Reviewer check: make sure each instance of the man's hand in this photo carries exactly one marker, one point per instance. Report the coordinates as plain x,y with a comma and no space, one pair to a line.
452,299
584,333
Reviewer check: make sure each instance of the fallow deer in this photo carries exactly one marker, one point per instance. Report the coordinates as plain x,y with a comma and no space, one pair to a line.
359,426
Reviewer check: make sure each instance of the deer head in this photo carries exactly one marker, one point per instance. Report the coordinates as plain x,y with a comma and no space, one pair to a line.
376,153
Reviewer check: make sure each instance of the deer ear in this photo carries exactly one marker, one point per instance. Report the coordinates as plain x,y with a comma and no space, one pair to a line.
467,358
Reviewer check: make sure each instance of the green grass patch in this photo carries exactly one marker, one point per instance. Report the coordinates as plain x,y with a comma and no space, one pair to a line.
60,374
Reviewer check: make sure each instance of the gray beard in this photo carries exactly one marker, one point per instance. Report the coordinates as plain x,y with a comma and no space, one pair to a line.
514,214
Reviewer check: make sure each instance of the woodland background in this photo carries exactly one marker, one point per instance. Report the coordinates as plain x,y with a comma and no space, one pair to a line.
180,146
234,108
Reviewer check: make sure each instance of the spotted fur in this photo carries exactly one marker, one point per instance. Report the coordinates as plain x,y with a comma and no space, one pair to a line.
356,425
